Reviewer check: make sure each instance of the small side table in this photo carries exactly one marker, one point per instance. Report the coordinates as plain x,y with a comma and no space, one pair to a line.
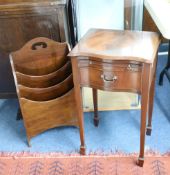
113,60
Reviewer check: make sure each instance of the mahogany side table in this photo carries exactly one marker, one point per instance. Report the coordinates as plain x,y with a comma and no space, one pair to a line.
114,60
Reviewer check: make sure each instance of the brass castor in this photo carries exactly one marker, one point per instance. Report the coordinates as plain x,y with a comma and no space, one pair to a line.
82,150
96,121
140,162
148,130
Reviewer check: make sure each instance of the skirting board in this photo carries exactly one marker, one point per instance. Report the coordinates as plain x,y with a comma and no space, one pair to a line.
110,100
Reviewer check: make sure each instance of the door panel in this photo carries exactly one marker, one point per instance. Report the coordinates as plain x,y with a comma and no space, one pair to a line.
16,31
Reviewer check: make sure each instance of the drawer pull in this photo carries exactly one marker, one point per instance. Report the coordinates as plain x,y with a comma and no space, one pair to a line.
133,68
109,78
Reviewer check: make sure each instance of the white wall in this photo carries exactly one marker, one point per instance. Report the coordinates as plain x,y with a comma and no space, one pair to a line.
99,14
137,14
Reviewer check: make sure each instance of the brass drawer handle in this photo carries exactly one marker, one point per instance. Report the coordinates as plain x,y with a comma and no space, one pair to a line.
109,78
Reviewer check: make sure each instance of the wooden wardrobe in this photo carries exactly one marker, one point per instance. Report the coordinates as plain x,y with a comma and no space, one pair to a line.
23,20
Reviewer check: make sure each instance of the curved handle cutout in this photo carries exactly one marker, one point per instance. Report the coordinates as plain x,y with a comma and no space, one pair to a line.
35,46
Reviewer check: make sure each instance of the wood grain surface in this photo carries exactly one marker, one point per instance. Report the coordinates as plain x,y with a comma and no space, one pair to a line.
41,116
108,45
44,81
40,57
49,93
23,20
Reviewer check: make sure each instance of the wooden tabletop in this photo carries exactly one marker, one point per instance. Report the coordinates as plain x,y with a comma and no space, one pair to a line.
112,45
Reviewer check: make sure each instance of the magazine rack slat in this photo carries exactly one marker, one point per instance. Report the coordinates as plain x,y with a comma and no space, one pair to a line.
44,81
42,94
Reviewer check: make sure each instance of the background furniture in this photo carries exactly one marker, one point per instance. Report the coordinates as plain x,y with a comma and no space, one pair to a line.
44,83
116,61
23,20
159,21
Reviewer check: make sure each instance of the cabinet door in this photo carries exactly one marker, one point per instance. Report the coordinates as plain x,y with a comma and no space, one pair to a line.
18,27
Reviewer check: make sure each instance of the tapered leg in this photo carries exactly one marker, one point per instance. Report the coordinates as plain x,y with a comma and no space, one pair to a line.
78,97
79,104
144,111
165,70
19,114
161,77
151,99
150,110
95,103
28,141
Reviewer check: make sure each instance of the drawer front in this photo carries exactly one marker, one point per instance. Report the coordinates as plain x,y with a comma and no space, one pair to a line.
121,76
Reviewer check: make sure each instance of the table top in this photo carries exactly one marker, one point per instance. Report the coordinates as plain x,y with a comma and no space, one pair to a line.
160,13
109,45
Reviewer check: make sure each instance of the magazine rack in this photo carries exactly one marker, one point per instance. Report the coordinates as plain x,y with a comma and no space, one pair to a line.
44,83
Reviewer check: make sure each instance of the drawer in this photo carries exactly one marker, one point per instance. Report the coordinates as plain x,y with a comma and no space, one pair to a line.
118,75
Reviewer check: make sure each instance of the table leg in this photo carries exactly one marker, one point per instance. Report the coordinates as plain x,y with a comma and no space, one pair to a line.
144,111
19,114
95,103
79,104
150,110
165,70
28,141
